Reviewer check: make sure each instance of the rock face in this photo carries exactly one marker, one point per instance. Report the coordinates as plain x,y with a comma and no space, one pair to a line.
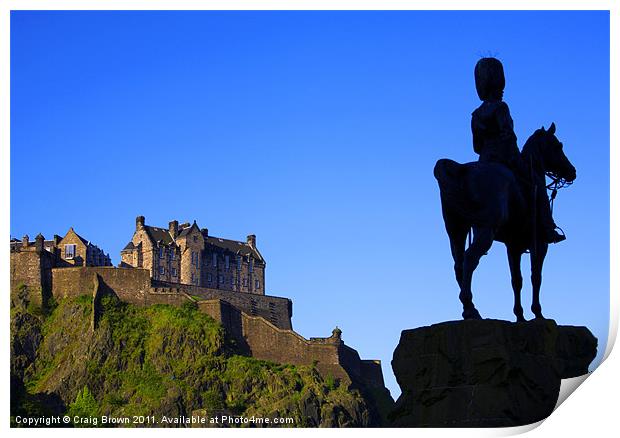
485,373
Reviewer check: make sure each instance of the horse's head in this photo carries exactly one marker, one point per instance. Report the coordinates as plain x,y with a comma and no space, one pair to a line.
552,155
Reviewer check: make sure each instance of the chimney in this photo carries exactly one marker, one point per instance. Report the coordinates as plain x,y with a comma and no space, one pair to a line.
252,241
38,242
139,223
25,241
173,228
57,239
205,231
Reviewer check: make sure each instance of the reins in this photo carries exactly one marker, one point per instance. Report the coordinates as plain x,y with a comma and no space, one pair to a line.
556,184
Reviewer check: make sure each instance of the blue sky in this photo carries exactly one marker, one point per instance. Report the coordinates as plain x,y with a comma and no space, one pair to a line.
318,132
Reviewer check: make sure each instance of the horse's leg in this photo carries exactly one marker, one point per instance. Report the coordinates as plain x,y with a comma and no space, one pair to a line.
483,239
537,258
514,261
458,236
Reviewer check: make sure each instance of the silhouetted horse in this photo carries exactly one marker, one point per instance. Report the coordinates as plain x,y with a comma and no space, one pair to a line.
488,198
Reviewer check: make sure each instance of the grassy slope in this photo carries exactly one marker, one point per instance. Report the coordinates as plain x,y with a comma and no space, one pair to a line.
164,360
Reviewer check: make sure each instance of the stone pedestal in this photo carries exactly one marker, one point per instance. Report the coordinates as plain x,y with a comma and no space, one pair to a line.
486,373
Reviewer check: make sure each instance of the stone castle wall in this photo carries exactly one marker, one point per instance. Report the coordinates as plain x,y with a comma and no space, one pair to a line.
130,285
33,269
276,310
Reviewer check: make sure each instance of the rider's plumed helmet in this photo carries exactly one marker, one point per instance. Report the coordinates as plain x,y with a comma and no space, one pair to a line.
490,81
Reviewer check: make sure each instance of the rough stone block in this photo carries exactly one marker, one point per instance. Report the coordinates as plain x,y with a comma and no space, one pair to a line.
486,373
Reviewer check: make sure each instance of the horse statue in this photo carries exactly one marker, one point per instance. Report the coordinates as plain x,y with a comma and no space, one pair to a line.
488,198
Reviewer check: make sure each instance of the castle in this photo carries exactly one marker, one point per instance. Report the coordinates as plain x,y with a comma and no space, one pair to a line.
224,278
187,254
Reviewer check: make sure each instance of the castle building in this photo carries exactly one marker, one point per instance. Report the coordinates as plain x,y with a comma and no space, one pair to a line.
187,254
72,249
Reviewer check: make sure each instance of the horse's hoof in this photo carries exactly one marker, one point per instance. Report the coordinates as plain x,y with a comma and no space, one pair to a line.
471,314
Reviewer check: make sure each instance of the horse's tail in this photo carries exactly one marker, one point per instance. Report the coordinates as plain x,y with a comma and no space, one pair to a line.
450,176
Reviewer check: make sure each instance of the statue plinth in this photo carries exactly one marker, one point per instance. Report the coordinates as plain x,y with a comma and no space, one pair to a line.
486,373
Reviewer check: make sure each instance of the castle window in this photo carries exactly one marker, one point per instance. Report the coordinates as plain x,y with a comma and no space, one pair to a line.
245,282
174,272
257,285
193,281
69,251
162,253
221,278
239,262
162,271
227,260
252,265
209,277
214,260
171,254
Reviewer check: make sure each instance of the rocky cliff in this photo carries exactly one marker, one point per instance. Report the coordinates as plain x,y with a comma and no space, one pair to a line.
486,373
162,361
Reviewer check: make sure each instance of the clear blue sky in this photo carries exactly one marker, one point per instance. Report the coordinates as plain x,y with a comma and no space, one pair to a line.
318,132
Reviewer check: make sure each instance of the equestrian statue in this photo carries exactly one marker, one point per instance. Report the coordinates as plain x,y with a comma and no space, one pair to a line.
503,196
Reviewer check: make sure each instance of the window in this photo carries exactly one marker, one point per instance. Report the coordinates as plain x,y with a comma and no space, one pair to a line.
209,277
257,284
162,253
195,258
251,265
227,262
162,271
171,254
174,272
214,260
245,282
221,279
69,251
195,238
239,262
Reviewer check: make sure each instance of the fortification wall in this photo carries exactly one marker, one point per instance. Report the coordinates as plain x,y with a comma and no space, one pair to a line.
276,310
269,342
26,269
34,270
130,285
371,373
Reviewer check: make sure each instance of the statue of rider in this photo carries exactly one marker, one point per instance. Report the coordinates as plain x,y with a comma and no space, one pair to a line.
495,140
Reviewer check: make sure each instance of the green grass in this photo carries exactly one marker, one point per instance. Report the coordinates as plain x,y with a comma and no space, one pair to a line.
152,360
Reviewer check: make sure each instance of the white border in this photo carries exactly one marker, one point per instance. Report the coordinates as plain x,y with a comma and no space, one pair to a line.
593,410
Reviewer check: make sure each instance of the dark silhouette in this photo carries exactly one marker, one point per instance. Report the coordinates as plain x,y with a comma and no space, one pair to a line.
487,197
495,140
